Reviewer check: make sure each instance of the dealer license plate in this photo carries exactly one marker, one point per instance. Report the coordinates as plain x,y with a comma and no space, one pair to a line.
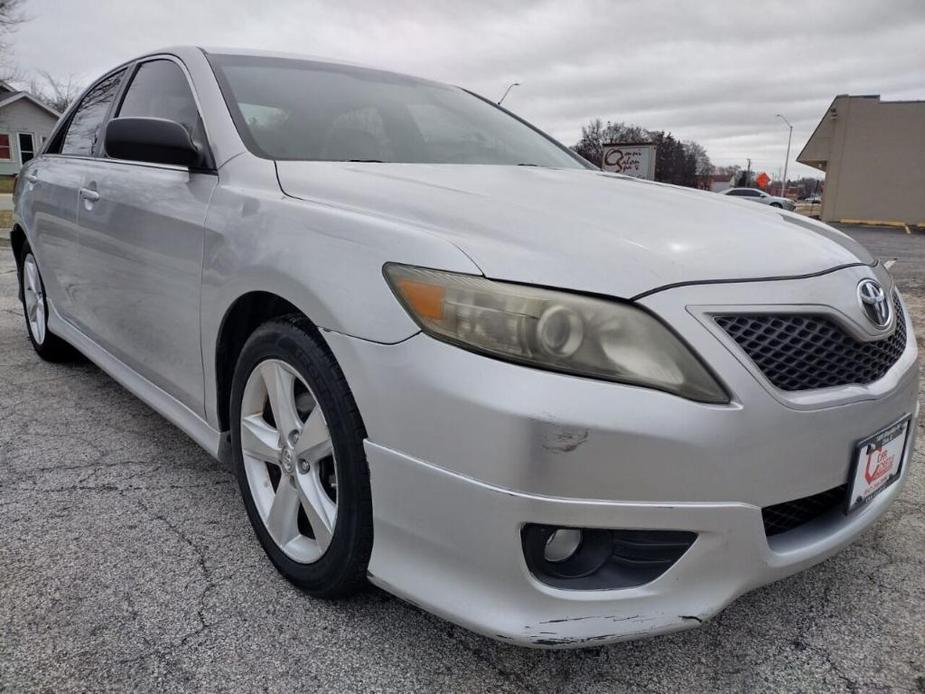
877,463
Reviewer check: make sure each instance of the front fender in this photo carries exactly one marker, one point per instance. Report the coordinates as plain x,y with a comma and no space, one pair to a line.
326,261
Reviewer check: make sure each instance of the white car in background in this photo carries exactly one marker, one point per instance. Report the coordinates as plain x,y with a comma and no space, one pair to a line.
760,196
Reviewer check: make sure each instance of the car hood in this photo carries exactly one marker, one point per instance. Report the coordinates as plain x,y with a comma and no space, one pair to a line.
579,229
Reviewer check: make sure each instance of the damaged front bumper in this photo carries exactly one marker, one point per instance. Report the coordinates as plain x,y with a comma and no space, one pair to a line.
465,452
452,546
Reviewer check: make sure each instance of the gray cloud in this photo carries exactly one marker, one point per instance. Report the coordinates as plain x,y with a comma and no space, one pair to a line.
716,72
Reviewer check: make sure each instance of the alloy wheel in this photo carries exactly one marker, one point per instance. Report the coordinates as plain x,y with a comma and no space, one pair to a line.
34,296
289,460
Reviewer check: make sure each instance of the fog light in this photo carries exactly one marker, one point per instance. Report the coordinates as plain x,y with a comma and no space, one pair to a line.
601,559
562,544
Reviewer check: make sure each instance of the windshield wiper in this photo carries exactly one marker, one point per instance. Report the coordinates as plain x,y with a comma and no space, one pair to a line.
528,165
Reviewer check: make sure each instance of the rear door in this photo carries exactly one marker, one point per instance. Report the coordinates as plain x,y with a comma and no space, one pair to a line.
141,235
47,194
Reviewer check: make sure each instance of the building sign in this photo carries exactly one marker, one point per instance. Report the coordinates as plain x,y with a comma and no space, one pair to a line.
630,159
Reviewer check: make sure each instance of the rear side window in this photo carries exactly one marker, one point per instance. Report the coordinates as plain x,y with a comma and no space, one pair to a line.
84,128
159,89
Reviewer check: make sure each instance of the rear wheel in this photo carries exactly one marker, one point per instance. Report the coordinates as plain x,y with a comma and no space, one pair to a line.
35,306
298,450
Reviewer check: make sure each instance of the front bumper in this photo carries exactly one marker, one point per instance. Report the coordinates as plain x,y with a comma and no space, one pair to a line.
451,545
464,450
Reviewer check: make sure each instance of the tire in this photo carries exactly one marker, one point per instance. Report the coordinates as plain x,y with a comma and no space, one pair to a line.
48,346
293,473
777,205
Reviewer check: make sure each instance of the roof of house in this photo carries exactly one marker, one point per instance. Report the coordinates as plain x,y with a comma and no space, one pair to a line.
9,95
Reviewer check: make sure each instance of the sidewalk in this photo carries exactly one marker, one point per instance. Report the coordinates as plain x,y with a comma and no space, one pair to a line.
6,218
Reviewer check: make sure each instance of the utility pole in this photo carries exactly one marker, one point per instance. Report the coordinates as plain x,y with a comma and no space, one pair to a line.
787,160
510,87
748,174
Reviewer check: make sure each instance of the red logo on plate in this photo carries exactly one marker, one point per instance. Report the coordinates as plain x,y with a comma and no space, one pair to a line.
879,462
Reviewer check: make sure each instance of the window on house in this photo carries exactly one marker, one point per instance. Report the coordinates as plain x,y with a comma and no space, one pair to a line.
26,147
5,151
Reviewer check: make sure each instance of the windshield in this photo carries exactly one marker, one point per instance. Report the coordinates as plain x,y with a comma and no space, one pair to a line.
306,110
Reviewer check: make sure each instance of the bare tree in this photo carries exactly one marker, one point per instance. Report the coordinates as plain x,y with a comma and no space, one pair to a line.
681,163
596,134
699,152
54,92
11,17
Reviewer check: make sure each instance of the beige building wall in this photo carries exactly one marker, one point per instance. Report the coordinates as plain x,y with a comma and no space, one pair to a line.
873,155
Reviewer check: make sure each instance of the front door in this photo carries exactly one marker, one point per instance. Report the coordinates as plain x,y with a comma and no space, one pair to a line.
141,235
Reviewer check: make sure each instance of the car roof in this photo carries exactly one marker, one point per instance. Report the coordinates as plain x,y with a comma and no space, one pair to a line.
185,50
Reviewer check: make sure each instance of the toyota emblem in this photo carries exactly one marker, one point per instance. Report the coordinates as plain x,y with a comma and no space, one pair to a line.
874,302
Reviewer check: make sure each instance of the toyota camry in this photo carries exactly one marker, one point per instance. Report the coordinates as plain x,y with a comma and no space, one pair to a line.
447,356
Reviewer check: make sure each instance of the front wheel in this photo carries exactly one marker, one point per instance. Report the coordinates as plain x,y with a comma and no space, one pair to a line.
777,205
297,439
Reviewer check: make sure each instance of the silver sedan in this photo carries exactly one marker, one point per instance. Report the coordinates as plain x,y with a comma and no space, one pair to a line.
557,406
755,195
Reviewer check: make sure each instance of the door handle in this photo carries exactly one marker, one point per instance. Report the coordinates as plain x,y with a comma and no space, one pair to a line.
89,194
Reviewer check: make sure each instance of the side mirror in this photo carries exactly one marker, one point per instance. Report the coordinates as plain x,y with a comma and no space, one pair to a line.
154,140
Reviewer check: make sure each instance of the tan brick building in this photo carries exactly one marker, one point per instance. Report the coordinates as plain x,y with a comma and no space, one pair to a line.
873,155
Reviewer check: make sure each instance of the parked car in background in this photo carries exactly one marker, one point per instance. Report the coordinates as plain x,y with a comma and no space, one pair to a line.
756,195
812,199
557,406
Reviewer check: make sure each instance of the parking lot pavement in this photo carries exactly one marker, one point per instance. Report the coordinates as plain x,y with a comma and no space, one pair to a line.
127,563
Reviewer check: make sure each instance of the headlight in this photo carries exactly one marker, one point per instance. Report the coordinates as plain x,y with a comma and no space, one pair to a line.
552,330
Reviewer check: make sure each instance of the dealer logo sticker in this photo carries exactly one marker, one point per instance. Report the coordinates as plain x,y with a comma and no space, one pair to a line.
879,463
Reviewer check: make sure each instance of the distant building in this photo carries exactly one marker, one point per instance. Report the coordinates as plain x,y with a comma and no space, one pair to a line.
25,123
718,182
873,155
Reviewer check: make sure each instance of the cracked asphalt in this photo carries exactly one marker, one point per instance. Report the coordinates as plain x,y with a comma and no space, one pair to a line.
127,564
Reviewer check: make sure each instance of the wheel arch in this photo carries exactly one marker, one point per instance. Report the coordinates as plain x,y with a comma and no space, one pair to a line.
245,314
18,243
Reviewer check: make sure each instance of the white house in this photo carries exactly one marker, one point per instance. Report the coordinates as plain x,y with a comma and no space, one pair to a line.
25,123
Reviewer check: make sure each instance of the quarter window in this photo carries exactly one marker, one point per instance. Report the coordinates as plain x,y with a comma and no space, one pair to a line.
159,89
5,152
84,128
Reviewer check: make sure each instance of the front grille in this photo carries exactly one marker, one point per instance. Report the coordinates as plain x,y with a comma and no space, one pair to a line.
791,514
800,352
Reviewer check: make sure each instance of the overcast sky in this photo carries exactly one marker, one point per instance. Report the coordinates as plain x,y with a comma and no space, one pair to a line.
715,72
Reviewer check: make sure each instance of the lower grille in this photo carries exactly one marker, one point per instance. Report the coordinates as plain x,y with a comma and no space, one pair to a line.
780,518
801,351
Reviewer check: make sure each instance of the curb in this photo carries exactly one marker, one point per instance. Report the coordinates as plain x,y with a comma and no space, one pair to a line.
908,228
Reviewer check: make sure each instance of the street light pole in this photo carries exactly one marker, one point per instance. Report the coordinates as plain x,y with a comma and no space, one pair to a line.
510,87
783,185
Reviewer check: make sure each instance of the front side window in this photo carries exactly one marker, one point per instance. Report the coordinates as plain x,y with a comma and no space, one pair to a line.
314,111
84,128
5,152
159,89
